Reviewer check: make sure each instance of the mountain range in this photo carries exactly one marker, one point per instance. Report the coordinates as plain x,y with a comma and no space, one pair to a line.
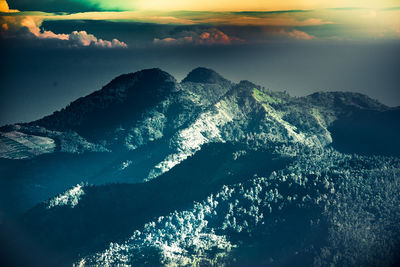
150,171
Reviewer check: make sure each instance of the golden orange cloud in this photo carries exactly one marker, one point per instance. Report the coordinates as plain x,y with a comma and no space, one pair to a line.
260,5
5,8
171,18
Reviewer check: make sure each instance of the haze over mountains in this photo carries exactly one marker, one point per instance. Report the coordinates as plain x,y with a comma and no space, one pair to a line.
150,171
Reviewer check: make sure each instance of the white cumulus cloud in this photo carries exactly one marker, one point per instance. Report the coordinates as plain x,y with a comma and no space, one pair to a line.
19,25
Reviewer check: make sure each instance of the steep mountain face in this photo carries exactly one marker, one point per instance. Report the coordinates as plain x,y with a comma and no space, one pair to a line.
118,104
127,94
151,171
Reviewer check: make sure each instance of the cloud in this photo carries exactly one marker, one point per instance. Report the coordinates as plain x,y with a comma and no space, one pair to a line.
127,16
290,19
204,5
5,8
274,20
56,6
215,36
299,35
29,27
252,26
261,5
82,38
173,41
206,37
370,14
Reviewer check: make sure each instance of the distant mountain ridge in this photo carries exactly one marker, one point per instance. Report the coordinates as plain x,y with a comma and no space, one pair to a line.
137,108
147,123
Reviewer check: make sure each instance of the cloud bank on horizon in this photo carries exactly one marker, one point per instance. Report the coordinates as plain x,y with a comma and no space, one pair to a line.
195,5
305,20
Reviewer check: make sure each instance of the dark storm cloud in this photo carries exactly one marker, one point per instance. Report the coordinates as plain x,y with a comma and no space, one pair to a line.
54,5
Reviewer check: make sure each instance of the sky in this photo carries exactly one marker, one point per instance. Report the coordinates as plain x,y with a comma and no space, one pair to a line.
56,51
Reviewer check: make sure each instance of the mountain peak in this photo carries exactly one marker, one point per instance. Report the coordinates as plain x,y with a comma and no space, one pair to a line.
146,74
154,73
204,75
125,98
